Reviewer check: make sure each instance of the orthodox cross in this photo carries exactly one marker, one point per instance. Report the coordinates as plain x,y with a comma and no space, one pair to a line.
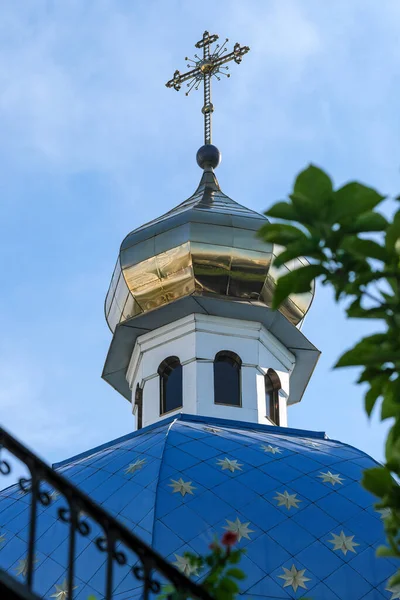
202,69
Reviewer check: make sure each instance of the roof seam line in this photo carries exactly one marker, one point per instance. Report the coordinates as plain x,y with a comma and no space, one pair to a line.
158,477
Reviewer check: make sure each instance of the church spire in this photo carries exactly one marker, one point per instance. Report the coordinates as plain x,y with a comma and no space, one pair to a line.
189,303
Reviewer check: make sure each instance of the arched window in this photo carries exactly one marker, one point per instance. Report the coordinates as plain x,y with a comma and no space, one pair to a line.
227,387
170,372
272,387
139,406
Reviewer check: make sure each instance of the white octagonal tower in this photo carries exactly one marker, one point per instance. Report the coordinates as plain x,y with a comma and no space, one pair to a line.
189,306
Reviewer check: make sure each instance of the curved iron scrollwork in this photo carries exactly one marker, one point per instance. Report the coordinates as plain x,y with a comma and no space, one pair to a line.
81,525
5,468
45,486
103,546
143,574
25,487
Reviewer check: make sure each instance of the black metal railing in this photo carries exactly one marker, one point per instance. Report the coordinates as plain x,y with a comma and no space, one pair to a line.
149,568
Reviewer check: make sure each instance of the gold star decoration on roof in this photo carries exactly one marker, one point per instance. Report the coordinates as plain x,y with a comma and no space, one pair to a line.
329,477
311,443
211,429
286,499
61,592
182,487
242,529
184,565
2,539
271,449
231,465
343,542
294,577
394,590
136,466
22,566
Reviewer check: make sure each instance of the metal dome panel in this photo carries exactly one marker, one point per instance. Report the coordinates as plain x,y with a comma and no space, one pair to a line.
293,497
205,246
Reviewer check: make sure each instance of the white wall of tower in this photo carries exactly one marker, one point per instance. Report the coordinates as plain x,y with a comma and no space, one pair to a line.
195,340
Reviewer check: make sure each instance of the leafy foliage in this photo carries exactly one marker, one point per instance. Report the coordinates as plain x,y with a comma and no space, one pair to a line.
221,573
355,250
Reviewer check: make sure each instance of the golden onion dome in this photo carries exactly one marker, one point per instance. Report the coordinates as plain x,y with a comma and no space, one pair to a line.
205,246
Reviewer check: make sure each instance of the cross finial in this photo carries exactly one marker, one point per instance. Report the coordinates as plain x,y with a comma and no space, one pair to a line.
203,68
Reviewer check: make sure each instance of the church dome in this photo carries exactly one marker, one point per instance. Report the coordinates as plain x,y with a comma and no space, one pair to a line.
293,497
205,246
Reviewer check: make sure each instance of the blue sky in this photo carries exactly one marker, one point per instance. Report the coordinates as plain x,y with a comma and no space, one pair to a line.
93,144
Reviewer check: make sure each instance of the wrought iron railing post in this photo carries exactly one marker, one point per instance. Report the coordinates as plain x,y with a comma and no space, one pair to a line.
71,545
32,523
110,541
114,532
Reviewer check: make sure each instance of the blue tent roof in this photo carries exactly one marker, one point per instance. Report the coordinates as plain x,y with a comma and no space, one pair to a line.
293,497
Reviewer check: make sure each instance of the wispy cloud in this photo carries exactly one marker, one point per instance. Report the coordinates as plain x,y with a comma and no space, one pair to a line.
93,144
82,84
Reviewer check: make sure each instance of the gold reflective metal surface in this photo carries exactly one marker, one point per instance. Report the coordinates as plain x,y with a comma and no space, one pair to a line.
206,66
205,246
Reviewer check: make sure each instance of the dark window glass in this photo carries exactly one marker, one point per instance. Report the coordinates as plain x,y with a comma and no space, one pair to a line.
272,387
170,372
139,404
227,366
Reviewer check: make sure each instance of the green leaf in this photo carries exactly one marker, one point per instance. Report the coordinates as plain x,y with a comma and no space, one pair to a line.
308,248
369,374
167,591
372,396
296,282
393,464
229,585
282,210
378,481
305,208
210,560
393,282
355,311
372,350
236,573
369,221
395,580
385,551
279,233
221,594
313,184
393,232
372,340
392,445
364,248
353,199
390,405
235,556
367,356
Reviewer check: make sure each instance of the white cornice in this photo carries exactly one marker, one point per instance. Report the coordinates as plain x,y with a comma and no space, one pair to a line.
208,324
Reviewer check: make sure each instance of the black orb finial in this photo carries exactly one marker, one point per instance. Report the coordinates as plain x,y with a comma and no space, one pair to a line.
208,156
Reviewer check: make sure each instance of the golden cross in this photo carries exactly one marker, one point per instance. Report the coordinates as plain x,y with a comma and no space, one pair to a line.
202,69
